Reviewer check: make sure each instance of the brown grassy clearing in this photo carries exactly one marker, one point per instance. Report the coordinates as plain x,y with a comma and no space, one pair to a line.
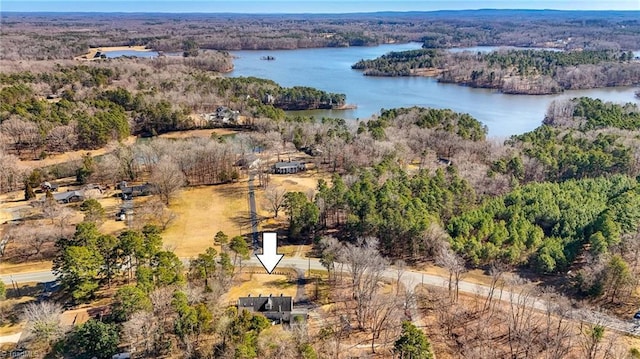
5,216
476,276
426,71
74,317
202,212
201,133
295,250
302,182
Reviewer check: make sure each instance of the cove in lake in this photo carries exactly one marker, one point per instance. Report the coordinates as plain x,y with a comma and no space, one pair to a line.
329,69
132,53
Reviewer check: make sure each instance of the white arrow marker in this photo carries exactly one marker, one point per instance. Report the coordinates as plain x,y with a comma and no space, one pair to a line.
269,257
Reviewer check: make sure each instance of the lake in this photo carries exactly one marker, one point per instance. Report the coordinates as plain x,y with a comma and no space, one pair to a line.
329,69
132,53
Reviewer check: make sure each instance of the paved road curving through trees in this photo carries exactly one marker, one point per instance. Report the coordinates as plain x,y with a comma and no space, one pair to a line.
410,279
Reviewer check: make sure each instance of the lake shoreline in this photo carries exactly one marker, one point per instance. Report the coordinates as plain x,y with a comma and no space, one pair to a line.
90,55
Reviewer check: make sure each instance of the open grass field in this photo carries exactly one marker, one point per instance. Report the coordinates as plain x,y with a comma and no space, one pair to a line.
302,182
202,212
5,216
476,276
33,266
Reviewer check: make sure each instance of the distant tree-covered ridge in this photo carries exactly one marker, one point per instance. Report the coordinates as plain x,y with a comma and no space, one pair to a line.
50,37
525,71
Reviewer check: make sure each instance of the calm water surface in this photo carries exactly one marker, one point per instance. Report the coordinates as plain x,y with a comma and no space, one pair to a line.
133,53
329,69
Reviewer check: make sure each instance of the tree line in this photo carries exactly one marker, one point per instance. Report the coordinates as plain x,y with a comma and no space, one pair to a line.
28,37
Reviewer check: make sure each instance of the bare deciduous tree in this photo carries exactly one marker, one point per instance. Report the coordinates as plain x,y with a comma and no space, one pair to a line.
50,208
43,321
557,332
35,238
448,259
23,134
140,331
167,178
400,267
154,211
365,265
274,199
523,324
12,172
496,271
62,138
330,249
591,340
385,310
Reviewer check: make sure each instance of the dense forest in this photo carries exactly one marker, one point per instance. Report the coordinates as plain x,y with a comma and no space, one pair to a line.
513,71
44,36
583,138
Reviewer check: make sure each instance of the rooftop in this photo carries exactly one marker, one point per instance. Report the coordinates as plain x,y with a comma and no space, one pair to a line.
289,164
266,304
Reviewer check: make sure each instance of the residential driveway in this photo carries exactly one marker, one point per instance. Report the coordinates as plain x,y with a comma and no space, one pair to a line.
13,213
11,339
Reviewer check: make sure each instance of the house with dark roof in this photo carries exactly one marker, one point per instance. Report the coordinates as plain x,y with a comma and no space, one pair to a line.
128,192
288,167
279,309
69,196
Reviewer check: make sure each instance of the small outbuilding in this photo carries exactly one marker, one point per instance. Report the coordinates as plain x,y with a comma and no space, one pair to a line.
48,186
444,161
250,161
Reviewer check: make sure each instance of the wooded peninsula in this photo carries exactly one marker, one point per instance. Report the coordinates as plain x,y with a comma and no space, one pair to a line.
521,71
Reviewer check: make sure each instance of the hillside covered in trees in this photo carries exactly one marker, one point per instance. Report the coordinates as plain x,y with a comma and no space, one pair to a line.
46,36
513,71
